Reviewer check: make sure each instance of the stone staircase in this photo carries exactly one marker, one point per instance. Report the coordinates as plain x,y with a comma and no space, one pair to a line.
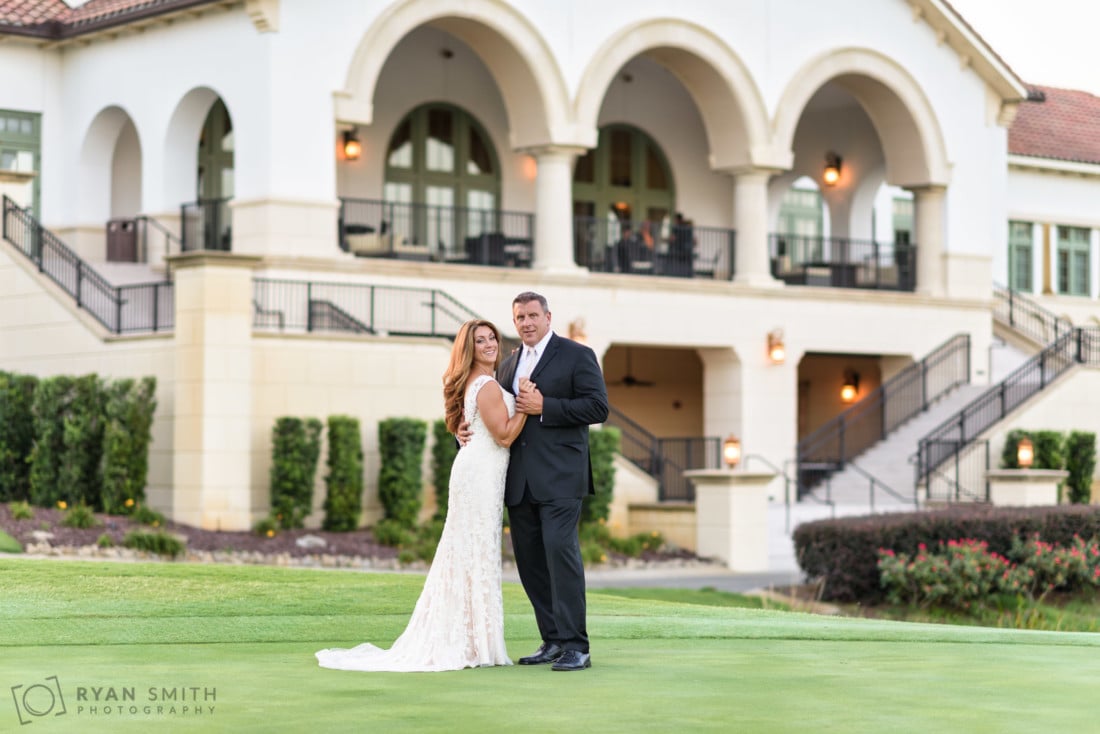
888,460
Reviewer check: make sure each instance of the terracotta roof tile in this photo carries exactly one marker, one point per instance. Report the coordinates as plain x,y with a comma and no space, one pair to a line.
1065,126
55,19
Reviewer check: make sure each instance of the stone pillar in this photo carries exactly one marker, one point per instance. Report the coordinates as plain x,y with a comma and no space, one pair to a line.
286,227
731,517
212,487
554,208
1024,487
928,225
750,220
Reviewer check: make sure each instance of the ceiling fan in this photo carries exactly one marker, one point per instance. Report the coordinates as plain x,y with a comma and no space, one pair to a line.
629,379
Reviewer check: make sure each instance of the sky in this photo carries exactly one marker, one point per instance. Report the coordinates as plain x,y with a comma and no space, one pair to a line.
1048,42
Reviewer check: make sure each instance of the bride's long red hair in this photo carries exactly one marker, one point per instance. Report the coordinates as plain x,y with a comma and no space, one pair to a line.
457,374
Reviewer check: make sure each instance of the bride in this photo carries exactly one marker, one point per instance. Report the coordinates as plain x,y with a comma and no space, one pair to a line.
458,621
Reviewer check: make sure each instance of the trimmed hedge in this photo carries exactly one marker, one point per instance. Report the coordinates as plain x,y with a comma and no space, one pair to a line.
603,444
127,433
400,478
1080,450
344,482
16,435
444,451
844,552
295,450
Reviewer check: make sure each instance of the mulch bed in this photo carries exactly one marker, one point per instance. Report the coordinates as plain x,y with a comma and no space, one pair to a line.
356,544
359,543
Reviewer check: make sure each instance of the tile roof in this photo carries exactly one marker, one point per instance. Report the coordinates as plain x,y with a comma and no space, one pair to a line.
1064,126
54,19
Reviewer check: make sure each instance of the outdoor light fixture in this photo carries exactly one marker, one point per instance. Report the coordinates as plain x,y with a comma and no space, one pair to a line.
832,169
1025,453
731,451
777,351
352,147
850,389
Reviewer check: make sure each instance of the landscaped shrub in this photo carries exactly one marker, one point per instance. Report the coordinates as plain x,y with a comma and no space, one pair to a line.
1080,451
1048,449
344,482
603,444
400,478
295,449
146,516
16,435
83,443
160,543
52,397
444,450
961,574
79,516
844,552
127,433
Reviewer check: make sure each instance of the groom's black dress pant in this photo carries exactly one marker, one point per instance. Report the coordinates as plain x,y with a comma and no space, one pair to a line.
548,557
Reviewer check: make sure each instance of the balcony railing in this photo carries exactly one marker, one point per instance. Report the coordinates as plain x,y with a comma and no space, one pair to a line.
373,228
206,225
650,248
839,262
311,306
121,309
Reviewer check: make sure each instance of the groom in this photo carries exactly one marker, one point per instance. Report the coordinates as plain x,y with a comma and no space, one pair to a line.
549,474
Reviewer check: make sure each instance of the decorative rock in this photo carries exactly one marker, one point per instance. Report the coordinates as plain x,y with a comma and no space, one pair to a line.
310,541
42,536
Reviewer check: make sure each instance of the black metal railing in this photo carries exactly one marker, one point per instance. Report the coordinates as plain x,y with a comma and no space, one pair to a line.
956,434
120,309
840,262
654,248
154,235
1027,317
908,393
290,305
665,459
963,477
206,225
373,228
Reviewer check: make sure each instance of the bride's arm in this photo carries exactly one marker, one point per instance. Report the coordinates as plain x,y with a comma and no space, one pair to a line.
494,414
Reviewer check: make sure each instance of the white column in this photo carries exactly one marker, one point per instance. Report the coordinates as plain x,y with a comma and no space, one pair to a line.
731,517
554,208
928,205
750,220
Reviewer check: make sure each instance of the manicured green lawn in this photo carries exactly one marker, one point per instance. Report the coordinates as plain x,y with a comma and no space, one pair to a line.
246,636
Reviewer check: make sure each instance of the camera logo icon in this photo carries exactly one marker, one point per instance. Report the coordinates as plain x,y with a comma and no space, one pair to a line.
38,700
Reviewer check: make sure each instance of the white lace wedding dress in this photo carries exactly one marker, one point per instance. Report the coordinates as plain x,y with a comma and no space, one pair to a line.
458,621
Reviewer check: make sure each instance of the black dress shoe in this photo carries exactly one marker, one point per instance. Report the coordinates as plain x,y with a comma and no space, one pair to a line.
548,652
573,660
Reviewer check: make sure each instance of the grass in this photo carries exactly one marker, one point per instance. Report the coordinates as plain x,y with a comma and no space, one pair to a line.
9,544
248,634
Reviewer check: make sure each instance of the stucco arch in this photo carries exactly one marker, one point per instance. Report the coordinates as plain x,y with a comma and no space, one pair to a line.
95,165
728,99
901,113
516,55
181,143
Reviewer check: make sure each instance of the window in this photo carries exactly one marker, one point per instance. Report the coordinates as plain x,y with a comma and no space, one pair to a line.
903,220
1019,256
439,162
20,148
1073,261
626,177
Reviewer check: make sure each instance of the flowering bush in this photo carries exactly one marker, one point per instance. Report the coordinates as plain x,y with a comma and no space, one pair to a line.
961,573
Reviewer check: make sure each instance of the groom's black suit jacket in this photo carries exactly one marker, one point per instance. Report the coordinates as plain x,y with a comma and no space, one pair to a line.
550,456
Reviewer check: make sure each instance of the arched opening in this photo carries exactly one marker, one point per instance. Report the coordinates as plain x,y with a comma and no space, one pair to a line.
206,223
110,194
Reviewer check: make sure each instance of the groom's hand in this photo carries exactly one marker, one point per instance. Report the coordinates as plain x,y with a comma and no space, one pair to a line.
529,402
464,433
